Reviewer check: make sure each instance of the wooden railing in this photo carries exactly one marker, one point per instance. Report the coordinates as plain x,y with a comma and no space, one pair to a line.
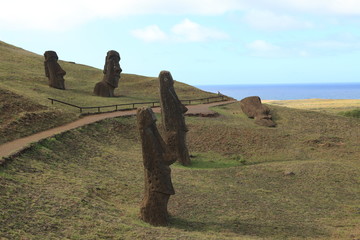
130,106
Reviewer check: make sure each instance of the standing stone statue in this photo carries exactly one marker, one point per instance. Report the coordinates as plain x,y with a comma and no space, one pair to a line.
173,120
112,71
157,158
253,108
53,70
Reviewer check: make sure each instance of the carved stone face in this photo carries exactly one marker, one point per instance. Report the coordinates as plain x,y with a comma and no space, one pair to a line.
112,68
167,86
146,117
53,70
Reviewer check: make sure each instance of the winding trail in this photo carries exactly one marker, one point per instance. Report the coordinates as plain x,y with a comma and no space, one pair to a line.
11,148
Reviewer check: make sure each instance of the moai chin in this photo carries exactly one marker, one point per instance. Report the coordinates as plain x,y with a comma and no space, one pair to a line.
111,71
157,158
173,120
53,71
253,108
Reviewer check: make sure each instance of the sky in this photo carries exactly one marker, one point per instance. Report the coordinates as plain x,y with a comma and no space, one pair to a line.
201,42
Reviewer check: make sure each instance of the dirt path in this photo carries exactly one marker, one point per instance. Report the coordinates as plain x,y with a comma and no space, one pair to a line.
13,147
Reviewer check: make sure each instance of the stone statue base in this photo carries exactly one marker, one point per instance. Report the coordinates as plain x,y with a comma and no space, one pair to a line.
103,89
153,209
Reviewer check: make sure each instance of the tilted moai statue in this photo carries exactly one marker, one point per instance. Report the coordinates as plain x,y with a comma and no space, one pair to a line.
53,71
173,120
157,158
253,108
112,71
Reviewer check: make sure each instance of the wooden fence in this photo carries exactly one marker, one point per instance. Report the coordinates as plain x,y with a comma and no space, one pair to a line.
130,106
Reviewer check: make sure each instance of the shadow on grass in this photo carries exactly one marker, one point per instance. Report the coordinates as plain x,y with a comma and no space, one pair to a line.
251,229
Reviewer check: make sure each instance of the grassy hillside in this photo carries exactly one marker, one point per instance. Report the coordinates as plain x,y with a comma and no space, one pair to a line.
298,180
24,92
22,72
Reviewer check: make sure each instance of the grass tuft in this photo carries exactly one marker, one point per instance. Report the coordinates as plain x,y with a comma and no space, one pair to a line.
353,113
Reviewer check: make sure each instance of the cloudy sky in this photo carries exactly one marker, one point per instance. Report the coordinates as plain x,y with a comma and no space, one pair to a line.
200,41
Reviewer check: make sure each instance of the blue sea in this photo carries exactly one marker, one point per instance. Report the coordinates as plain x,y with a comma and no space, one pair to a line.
288,91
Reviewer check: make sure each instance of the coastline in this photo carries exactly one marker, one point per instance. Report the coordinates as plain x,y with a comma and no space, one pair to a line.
288,91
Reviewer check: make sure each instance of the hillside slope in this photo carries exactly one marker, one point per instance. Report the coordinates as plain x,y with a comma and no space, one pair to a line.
298,180
24,91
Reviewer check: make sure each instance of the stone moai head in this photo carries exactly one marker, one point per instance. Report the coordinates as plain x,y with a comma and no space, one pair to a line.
253,108
171,107
111,71
173,120
145,118
53,70
167,90
112,68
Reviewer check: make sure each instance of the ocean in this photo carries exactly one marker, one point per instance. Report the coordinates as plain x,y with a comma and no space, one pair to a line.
288,91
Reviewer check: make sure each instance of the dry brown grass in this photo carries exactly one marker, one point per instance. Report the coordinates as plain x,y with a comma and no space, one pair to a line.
321,105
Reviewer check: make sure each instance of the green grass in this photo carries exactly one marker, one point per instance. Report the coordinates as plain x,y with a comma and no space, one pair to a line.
24,92
22,72
353,113
212,160
88,183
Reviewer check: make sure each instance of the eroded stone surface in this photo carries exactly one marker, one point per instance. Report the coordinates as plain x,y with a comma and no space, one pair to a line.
111,71
173,120
253,108
53,71
157,158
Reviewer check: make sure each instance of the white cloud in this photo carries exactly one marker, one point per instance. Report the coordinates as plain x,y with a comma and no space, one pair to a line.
46,15
332,7
338,7
189,31
266,20
338,45
261,46
186,31
150,34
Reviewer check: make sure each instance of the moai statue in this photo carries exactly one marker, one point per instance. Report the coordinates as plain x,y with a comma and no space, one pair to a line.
173,120
253,108
53,71
157,158
112,71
